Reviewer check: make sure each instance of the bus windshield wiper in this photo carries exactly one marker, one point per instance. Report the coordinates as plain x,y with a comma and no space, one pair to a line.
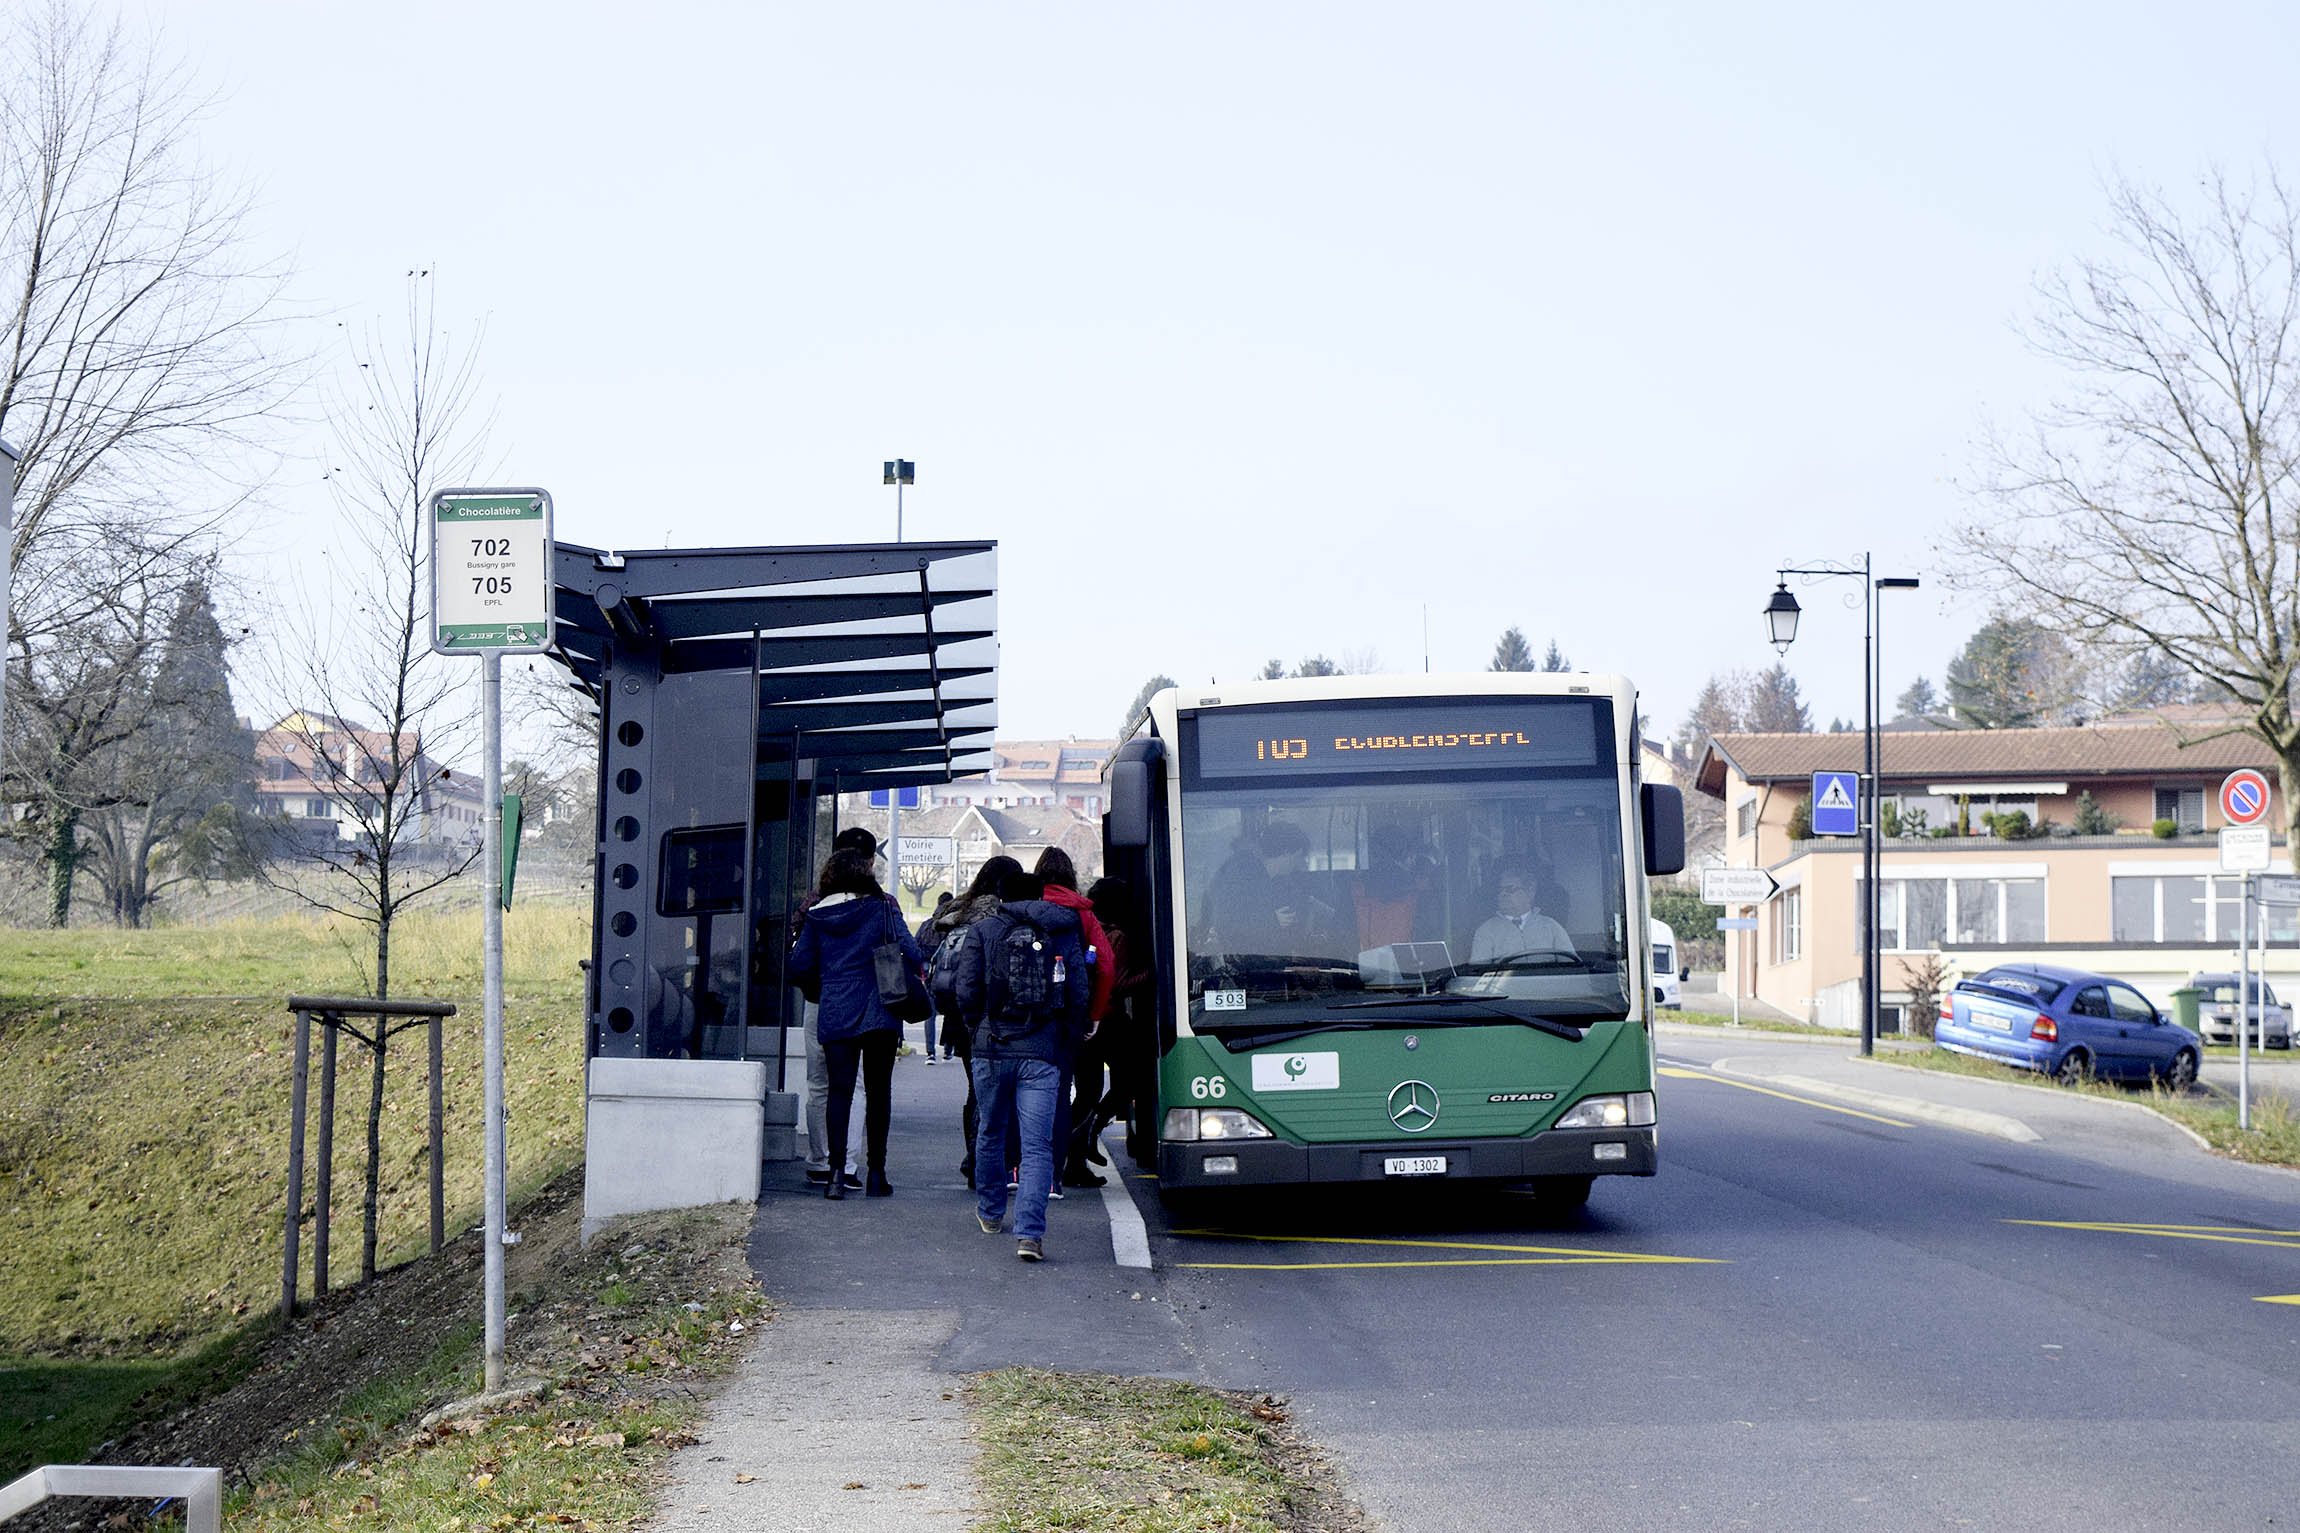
1490,1005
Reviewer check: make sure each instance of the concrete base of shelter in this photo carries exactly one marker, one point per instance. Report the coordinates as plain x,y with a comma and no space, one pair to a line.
671,1133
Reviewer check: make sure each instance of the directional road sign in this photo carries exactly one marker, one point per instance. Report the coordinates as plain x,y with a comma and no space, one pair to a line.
2277,890
1836,804
2244,849
1736,886
2244,797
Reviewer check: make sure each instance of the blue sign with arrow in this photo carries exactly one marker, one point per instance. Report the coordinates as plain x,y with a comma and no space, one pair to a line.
1836,804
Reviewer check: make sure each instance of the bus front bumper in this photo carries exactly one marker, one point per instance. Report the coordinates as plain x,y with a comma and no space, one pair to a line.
1274,1162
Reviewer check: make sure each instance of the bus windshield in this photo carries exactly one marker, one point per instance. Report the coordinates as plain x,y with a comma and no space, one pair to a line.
1362,863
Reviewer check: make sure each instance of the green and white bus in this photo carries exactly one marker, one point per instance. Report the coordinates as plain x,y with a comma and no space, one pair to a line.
1400,930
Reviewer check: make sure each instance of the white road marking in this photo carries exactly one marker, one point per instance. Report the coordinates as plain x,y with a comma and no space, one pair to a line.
1129,1237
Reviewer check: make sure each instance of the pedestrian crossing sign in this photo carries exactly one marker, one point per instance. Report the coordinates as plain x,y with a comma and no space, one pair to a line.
1836,804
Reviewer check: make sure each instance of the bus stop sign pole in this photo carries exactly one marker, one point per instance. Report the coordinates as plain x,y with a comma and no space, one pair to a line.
491,583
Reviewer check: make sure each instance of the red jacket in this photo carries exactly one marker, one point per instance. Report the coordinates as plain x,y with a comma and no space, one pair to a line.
1105,960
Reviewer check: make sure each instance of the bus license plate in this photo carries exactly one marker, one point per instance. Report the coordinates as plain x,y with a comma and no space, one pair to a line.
1414,1165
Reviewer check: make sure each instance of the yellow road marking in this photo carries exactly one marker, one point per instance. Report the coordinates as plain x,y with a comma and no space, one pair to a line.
2220,1233
1465,1261
1850,1112
2278,1298
1520,1256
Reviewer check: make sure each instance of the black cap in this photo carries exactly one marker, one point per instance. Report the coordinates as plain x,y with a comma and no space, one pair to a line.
855,838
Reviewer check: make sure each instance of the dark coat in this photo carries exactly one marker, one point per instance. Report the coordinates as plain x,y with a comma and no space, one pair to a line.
832,961
1057,1033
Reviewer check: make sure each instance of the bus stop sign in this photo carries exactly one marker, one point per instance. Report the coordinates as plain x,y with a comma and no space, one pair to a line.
491,578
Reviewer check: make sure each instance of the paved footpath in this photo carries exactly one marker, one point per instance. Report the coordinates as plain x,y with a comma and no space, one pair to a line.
885,1306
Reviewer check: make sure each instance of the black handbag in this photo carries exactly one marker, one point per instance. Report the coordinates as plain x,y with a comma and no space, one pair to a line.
899,986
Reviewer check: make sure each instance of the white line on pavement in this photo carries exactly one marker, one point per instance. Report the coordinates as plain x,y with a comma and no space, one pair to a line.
1129,1237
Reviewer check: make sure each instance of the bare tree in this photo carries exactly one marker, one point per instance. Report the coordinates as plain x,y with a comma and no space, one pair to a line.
74,706
376,709
178,792
921,876
141,366
141,344
2152,509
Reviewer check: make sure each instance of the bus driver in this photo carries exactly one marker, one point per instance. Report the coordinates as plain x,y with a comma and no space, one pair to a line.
1519,929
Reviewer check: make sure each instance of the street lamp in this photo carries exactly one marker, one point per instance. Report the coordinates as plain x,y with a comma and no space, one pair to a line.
1781,613
898,472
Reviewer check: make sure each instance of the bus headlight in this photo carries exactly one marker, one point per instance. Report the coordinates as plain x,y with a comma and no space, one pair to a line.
1635,1110
1213,1123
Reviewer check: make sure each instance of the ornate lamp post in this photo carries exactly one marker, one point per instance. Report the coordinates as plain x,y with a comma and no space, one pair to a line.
1781,613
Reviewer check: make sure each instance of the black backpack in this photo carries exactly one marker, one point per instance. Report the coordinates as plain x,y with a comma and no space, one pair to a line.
1018,971
942,970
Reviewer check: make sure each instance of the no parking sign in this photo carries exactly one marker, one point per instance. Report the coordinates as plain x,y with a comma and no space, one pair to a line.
2244,797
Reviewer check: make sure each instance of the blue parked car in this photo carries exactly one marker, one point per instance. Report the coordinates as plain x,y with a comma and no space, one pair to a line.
2067,1024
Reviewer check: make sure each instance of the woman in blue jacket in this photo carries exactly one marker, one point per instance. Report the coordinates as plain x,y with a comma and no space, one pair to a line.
832,965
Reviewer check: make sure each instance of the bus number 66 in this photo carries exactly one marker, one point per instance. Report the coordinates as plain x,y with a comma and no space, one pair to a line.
1204,1086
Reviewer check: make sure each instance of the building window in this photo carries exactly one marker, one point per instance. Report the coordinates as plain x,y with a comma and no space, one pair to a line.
1745,818
2184,807
1922,915
319,809
2194,909
1789,926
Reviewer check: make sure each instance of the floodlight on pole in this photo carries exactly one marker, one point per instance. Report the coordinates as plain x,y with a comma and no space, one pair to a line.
898,472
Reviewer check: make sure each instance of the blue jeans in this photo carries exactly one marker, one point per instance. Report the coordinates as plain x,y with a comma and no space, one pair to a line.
1021,1090
930,1035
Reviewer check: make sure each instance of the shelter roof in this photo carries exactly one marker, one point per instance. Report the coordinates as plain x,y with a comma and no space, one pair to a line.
2092,751
878,661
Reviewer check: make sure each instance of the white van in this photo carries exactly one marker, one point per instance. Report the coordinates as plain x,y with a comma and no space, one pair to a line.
1666,974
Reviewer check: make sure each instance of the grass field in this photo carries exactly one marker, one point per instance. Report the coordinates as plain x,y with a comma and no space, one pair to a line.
144,1086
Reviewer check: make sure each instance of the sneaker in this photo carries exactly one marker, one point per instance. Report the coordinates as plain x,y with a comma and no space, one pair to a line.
930,1059
818,1174
851,1180
1054,1193
989,1226
1030,1251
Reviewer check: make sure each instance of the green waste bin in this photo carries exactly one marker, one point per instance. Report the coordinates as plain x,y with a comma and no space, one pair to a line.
2186,1002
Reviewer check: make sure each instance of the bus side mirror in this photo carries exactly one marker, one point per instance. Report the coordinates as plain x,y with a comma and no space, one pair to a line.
1662,809
1133,778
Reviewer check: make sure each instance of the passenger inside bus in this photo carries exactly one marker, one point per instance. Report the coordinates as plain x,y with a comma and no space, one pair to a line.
1262,899
1395,895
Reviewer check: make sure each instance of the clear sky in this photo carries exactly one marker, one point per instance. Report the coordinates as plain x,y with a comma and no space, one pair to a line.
1249,330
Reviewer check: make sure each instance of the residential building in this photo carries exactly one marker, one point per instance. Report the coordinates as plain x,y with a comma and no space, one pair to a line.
1986,865
974,834
313,768
1026,774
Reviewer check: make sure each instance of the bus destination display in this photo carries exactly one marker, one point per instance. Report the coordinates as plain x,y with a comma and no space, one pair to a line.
1495,734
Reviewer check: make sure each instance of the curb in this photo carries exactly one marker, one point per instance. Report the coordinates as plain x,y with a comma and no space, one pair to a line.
1971,1120
2194,1137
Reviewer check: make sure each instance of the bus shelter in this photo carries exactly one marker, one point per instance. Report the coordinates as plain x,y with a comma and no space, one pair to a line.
740,691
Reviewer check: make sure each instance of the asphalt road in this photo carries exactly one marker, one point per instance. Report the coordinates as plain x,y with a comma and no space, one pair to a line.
1815,1317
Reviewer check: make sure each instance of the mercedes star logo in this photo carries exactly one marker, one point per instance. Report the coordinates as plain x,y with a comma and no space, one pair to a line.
1414,1105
